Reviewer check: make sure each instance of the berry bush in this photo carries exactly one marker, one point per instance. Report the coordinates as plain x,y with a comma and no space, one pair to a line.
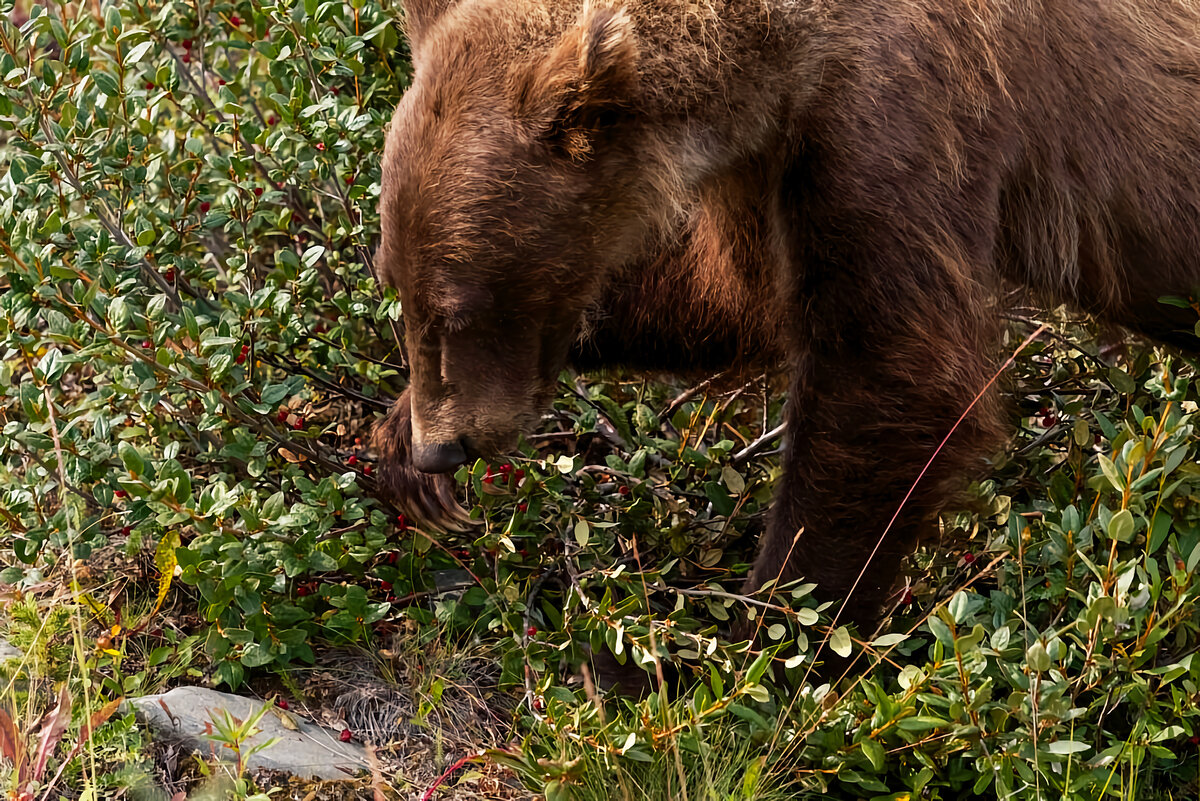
195,346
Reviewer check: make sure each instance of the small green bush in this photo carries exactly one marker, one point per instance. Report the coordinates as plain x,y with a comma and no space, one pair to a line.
195,344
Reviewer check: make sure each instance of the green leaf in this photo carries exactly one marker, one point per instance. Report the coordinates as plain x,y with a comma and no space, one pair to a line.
1110,472
1122,382
1121,526
733,480
257,654
920,723
138,52
1037,659
840,642
941,631
105,82
131,458
888,640
1081,433
758,667
312,255
874,753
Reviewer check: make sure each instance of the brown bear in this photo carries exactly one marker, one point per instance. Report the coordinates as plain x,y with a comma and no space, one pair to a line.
844,186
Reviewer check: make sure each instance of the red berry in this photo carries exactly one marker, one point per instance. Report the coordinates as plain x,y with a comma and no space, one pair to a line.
187,59
520,475
908,598
258,191
524,507
1048,421
402,522
187,44
204,207
235,21
149,85
1194,740
271,120
170,276
147,344
336,91
302,591
299,424
531,631
539,704
126,531
320,145
120,493
282,416
367,470
241,358
346,736
968,558
386,586
349,180
624,490
282,704
392,557
220,81
489,478
352,460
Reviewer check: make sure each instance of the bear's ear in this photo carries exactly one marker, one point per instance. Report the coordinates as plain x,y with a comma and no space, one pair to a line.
591,72
420,15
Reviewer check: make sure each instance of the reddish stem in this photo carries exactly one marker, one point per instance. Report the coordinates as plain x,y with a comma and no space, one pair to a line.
440,779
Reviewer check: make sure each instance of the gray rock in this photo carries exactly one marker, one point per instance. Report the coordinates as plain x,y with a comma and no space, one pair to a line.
8,652
311,752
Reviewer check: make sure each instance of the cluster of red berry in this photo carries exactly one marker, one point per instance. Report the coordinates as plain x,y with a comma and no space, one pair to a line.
241,357
352,460
287,418
1049,418
504,472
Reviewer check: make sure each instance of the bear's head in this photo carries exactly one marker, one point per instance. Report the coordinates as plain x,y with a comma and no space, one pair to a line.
511,195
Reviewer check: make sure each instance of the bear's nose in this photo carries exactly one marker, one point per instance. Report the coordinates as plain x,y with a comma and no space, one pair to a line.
439,457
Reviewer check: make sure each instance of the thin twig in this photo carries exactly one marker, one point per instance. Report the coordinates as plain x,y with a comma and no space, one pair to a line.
759,444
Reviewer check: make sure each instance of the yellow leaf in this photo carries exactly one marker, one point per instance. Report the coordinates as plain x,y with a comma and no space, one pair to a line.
164,560
97,607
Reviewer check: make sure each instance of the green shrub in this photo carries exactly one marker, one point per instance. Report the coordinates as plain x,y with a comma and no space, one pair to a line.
194,344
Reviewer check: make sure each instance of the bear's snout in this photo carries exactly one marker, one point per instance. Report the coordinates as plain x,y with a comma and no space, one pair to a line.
439,457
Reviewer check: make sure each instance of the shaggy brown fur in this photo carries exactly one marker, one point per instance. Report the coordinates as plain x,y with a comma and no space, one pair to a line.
844,184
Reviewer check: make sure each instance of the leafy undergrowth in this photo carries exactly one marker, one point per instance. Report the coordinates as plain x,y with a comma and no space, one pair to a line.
194,348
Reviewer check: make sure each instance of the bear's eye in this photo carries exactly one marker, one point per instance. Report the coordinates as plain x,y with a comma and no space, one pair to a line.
456,322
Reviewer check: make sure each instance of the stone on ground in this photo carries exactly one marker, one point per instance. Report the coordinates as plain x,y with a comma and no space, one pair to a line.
309,751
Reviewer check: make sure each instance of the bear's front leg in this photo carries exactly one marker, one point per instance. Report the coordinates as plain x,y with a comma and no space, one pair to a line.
869,406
